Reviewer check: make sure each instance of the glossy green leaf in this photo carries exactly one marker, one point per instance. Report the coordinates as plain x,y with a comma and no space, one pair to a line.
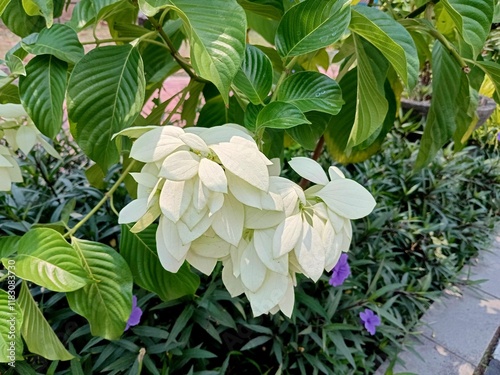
311,91
266,8
105,95
8,245
15,65
390,38
139,250
307,135
280,115
447,81
106,302
60,41
11,317
42,92
9,94
88,11
17,21
216,31
371,104
251,113
213,113
265,27
472,19
45,8
311,25
255,76
45,258
39,336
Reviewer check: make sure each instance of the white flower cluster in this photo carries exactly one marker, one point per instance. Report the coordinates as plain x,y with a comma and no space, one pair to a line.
218,198
20,133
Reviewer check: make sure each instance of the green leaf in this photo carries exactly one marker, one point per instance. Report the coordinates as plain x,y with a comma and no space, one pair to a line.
266,8
447,81
311,25
8,245
139,250
15,65
492,69
17,21
280,115
311,91
307,135
3,5
9,94
472,19
10,330
60,41
371,104
106,302
45,258
272,140
255,76
40,7
213,113
42,93
217,42
390,38
36,331
86,12
190,106
256,341
105,95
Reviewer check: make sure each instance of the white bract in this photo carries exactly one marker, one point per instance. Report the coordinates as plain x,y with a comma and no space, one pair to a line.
218,198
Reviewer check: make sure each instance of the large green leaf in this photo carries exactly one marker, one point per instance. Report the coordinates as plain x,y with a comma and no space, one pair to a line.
8,245
472,19
371,104
36,331
17,21
106,302
311,25
40,7
266,8
105,95
216,30
311,91
45,258
280,115
42,92
139,250
390,38
9,94
448,80
255,76
60,41
87,11
11,317
307,135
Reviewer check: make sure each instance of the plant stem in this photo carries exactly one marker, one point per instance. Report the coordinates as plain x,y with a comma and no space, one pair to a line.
421,9
284,73
436,34
102,201
315,156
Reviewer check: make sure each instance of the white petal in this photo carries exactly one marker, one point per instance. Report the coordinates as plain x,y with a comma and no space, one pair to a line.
233,285
192,216
173,242
201,263
250,144
200,194
287,234
4,162
253,271
310,252
14,172
149,217
332,248
347,198
211,247
309,169
321,210
224,133
335,173
157,144
275,168
244,162
180,166
145,179
262,219
269,295
175,197
133,211
243,191
26,138
336,220
263,242
212,175
166,259
236,253
5,183
228,221
135,131
291,194
187,235
271,201
288,301
11,110
194,142
215,202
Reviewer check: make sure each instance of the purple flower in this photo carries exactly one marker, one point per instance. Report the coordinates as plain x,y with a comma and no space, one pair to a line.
370,319
135,315
341,271
498,136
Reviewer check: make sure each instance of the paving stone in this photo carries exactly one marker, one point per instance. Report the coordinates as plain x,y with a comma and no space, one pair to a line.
435,360
493,368
496,353
488,268
464,325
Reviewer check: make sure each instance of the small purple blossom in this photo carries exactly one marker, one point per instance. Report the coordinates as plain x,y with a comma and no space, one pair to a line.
498,136
341,271
371,320
135,315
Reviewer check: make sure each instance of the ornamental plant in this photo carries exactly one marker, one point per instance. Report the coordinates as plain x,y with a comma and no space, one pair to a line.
203,167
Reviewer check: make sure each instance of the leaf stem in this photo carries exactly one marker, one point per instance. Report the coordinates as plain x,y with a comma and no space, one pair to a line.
102,201
284,73
440,37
